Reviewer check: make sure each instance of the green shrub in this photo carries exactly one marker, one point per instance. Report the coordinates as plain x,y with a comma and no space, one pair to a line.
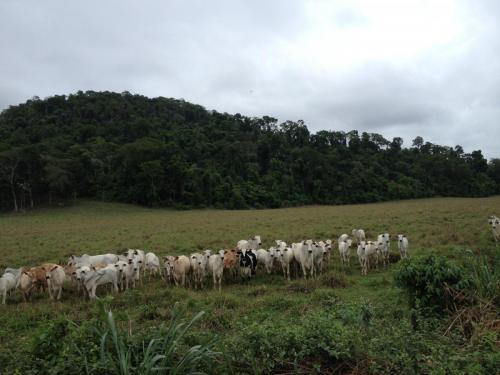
313,341
427,279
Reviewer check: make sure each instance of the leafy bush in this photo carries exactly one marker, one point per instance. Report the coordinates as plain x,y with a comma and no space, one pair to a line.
427,279
315,341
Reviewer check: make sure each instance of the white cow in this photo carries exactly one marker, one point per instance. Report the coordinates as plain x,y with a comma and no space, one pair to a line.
137,254
24,283
13,271
362,257
121,267
216,267
196,261
79,275
345,252
280,244
55,279
104,276
152,264
328,247
168,263
403,245
265,258
359,235
7,283
384,246
343,237
131,272
180,268
286,259
372,254
495,228
206,257
89,260
252,243
303,254
319,255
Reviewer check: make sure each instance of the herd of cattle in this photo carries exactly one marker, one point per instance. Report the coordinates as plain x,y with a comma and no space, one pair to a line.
121,272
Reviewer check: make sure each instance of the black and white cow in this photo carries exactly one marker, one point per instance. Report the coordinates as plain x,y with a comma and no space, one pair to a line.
248,263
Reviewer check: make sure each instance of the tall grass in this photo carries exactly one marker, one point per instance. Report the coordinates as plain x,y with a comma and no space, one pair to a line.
158,356
485,276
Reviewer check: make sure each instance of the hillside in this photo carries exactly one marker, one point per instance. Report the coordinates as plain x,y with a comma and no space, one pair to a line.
171,153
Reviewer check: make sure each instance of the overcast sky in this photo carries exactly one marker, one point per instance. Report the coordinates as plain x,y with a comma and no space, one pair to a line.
398,68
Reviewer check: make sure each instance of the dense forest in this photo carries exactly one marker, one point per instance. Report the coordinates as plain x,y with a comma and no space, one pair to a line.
168,152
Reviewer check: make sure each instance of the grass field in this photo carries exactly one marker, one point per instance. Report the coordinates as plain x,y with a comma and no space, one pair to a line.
446,226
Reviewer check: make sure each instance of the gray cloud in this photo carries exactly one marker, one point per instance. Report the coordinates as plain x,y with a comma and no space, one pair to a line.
398,69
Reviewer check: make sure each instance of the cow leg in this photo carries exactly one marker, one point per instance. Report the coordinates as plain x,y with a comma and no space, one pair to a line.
304,272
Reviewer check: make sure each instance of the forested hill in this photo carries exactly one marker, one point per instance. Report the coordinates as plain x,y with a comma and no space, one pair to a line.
167,152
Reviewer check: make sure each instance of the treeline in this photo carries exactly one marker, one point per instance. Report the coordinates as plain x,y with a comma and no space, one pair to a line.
168,152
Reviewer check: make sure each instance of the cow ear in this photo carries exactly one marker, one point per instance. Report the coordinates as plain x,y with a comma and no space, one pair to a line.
225,251
135,252
176,258
93,268
53,268
232,250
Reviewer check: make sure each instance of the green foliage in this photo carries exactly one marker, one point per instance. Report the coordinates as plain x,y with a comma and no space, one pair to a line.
102,348
315,339
426,281
62,346
167,152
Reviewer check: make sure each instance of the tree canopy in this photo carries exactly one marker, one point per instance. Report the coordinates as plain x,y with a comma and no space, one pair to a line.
168,152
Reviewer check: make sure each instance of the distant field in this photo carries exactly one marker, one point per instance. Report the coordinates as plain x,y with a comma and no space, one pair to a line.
441,225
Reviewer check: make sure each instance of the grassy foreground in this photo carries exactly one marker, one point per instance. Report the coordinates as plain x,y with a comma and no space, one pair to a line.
442,225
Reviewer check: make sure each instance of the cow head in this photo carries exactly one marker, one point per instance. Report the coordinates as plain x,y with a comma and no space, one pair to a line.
257,238
308,246
495,223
